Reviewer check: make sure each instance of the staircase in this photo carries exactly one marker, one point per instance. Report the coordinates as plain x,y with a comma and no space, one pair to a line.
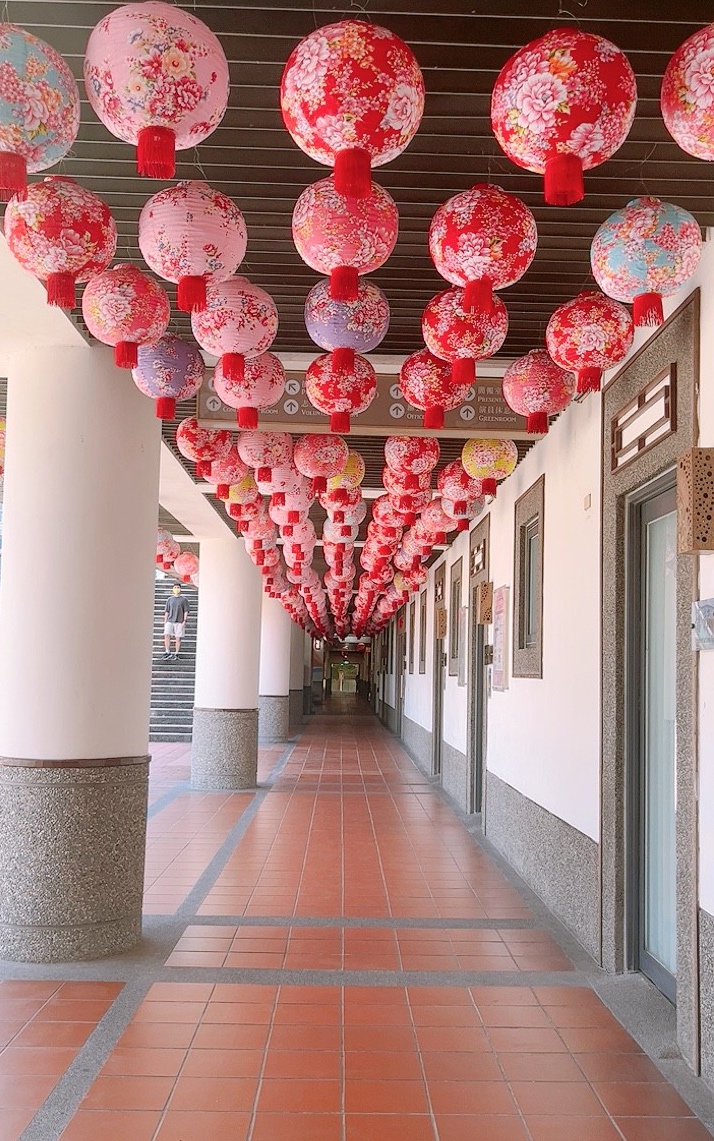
172,682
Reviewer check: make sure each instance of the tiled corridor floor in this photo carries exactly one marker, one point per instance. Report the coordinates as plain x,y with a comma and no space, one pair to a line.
331,959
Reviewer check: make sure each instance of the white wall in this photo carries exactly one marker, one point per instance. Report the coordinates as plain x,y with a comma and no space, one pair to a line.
419,688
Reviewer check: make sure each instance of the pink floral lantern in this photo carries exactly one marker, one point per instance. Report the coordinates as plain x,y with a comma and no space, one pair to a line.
383,513
337,501
186,565
226,471
318,457
202,445
347,327
589,334
454,482
351,475
688,95
125,308
645,252
262,385
536,387
40,108
166,548
340,392
157,78
411,456
344,237
482,239
563,104
191,234
435,521
168,371
263,451
352,97
240,322
489,462
399,483
454,334
62,234
426,383
463,512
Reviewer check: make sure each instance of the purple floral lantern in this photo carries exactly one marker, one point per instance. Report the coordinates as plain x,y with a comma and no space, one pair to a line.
168,371
347,327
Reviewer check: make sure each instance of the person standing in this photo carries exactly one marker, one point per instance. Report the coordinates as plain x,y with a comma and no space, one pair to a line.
175,615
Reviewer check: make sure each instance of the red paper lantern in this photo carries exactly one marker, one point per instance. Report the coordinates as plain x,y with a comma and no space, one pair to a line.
62,234
688,94
263,451
202,445
462,337
536,387
262,385
426,383
435,521
239,323
320,456
412,456
352,97
186,565
463,512
454,482
191,234
125,308
400,483
589,334
340,392
344,237
226,471
563,104
482,239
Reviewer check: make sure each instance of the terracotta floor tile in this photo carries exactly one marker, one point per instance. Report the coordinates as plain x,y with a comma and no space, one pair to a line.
317,1064
641,1099
556,1098
128,1061
540,1068
664,1129
619,1068
129,1093
482,1128
525,1041
213,1094
395,1096
470,1098
295,1127
298,1095
111,1125
54,1034
455,1066
25,1091
391,1127
36,1059
559,1128
157,1036
203,1126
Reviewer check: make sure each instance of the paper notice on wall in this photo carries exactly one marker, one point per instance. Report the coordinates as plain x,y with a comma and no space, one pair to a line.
499,677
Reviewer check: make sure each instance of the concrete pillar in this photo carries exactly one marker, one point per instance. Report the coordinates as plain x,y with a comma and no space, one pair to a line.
225,718
76,614
297,658
274,685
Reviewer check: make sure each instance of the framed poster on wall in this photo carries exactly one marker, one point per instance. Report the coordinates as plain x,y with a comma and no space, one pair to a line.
499,677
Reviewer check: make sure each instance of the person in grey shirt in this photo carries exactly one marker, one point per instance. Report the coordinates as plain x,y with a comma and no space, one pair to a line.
175,615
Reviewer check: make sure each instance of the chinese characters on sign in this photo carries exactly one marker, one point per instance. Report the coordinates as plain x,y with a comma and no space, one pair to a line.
499,678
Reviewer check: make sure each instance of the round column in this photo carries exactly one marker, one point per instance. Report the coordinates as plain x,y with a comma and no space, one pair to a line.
225,718
76,616
297,657
274,685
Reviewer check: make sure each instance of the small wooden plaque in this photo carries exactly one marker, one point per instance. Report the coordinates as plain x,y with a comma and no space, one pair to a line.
695,501
484,603
441,622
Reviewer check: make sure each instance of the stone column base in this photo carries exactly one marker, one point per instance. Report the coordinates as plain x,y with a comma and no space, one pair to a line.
273,718
72,843
224,753
295,707
307,700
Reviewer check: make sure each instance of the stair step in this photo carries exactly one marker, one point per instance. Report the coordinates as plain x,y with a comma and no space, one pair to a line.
172,681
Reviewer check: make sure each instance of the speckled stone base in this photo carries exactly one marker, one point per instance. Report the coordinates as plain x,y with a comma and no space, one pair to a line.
295,706
418,742
455,775
224,753
273,718
706,993
307,700
72,844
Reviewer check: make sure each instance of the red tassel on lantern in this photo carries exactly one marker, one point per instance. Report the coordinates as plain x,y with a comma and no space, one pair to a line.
191,293
156,152
647,309
13,176
338,516
478,296
340,422
319,484
589,380
293,517
460,506
165,408
488,486
537,423
353,173
410,519
287,531
439,538
61,291
278,498
185,578
343,360
264,474
344,281
563,180
203,469
259,558
462,525
126,354
433,418
247,418
223,490
233,365
463,371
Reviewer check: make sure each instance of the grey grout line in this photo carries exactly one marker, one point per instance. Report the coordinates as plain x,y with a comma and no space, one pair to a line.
63,1102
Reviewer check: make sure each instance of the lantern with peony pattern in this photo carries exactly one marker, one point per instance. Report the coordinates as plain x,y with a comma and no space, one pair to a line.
427,384
563,104
261,386
156,77
62,234
411,456
240,322
463,512
347,327
165,552
351,475
186,565
454,482
125,308
191,234
39,108
202,445
320,456
460,337
489,461
645,252
482,239
688,95
344,237
263,451
168,371
340,392
589,334
536,387
226,471
352,97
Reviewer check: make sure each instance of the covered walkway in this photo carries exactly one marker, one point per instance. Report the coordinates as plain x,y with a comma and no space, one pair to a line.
332,958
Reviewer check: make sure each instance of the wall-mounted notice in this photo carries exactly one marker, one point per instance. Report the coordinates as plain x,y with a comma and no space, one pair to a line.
499,679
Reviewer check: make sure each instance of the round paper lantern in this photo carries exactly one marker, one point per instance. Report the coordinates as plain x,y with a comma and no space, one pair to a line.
125,308
202,445
320,456
489,462
688,95
411,502
427,384
461,337
263,451
168,371
645,252
165,544
463,512
226,471
340,392
400,483
454,482
411,456
344,237
243,495
191,234
351,475
435,521
482,239
347,327
157,78
589,334
261,386
240,322
39,101
352,97
563,104
62,234
185,565
536,387
340,500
